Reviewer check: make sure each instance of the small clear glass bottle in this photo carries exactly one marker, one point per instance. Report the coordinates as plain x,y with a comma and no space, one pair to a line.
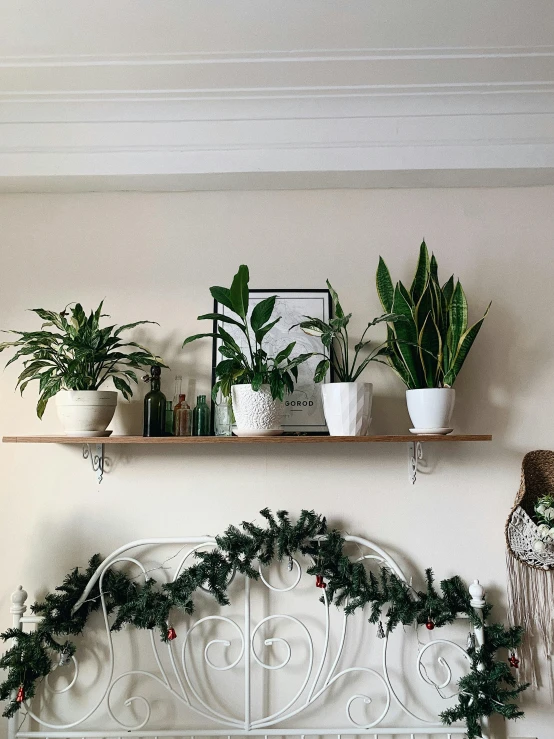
182,417
223,416
201,417
178,389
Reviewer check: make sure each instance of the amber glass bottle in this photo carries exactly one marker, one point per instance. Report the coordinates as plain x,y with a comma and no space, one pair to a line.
182,418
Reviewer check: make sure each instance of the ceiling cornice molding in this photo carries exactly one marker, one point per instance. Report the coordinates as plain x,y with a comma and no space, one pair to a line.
312,113
278,56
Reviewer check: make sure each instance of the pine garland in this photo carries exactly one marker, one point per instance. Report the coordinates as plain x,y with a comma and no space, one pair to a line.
490,686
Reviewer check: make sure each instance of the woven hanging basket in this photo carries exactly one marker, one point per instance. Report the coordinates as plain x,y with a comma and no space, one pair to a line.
531,573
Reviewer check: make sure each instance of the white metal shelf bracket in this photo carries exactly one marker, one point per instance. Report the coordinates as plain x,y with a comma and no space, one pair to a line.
99,463
415,455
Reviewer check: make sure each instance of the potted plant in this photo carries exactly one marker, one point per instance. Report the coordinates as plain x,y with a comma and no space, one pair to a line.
71,357
428,349
346,402
256,381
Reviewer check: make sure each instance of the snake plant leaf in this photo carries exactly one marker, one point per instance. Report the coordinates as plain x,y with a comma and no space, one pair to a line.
222,295
406,334
220,317
239,291
339,313
464,345
448,289
434,268
422,272
430,350
262,312
397,364
385,289
458,318
423,307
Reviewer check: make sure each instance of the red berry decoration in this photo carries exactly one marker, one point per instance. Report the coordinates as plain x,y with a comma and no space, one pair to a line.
319,582
430,624
171,633
514,662
20,694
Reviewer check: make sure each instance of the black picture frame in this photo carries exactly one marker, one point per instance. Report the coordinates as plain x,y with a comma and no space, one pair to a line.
308,419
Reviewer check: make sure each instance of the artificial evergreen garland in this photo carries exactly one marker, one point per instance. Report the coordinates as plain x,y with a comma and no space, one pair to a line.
490,686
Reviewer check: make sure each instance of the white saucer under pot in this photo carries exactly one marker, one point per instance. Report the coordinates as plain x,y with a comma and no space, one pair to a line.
432,432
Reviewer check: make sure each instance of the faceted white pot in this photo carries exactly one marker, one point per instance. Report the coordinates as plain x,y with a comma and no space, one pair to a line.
431,408
86,412
256,413
347,407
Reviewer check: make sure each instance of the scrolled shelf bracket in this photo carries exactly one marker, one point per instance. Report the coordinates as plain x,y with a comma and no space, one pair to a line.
415,455
99,462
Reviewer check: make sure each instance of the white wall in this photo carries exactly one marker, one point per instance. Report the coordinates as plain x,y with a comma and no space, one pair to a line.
154,256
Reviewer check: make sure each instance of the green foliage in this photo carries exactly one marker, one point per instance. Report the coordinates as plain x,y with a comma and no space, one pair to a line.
490,686
429,347
253,366
334,337
73,352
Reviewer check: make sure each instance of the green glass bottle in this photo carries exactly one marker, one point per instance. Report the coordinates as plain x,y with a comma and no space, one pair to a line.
154,406
168,418
201,417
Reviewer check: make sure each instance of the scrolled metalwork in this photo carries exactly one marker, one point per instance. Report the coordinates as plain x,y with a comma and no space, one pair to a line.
313,653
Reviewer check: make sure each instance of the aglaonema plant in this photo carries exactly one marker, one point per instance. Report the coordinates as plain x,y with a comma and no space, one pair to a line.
347,364
429,348
249,364
71,351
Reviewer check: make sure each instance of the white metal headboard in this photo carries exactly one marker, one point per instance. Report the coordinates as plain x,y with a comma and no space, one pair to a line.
240,683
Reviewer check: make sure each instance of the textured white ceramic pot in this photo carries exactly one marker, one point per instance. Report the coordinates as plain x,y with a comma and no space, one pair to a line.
431,408
86,412
256,413
347,407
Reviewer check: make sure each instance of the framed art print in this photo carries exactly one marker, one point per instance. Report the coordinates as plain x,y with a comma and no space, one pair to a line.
302,409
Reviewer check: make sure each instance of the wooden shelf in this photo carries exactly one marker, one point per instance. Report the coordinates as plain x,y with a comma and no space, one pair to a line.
178,440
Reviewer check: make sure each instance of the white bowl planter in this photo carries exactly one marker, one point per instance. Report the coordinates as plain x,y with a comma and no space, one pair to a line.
86,412
431,409
347,407
256,412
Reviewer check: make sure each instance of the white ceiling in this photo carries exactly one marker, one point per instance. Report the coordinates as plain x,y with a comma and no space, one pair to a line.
193,92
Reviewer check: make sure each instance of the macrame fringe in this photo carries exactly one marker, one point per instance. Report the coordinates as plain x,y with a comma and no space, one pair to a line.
531,604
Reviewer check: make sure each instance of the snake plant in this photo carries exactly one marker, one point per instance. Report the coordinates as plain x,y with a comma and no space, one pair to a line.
429,348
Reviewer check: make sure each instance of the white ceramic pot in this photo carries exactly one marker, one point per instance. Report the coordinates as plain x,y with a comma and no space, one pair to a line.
86,412
431,408
256,413
347,407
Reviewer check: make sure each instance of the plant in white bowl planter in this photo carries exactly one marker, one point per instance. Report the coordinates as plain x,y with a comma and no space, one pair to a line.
428,349
256,381
71,357
347,402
